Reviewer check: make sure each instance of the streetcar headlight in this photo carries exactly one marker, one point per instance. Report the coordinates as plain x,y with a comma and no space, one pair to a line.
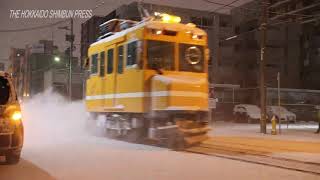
16,116
193,55
195,36
158,32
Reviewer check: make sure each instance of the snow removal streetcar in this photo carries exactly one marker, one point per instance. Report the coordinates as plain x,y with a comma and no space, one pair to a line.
148,80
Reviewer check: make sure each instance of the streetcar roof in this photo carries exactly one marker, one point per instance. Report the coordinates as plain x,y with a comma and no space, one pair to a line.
152,25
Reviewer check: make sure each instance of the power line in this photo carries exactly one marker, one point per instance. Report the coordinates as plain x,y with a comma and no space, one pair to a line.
256,10
296,10
222,7
304,19
32,28
258,28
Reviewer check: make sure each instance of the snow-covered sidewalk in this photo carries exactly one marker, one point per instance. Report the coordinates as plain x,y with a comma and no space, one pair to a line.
296,132
297,142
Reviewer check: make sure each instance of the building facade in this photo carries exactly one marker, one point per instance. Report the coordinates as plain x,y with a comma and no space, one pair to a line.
41,66
292,43
18,61
89,35
2,66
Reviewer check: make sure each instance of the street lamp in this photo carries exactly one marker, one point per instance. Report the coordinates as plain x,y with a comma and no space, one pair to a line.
56,59
70,38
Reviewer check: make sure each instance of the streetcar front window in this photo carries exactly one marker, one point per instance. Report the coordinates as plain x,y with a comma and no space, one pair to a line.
160,55
191,58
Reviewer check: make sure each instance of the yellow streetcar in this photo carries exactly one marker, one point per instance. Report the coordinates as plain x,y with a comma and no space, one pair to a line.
148,80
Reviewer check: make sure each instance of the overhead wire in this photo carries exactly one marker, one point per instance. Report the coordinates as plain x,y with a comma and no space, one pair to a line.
33,28
258,28
222,7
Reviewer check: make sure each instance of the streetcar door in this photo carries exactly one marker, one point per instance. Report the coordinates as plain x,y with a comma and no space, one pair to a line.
129,83
102,73
110,77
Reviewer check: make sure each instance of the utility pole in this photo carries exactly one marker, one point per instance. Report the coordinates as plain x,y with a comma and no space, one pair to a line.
263,28
279,101
70,58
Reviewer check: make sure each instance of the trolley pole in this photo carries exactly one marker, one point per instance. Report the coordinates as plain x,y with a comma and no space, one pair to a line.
70,58
263,28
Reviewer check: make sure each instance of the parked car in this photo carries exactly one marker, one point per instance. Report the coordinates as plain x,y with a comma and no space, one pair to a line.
11,127
282,112
246,113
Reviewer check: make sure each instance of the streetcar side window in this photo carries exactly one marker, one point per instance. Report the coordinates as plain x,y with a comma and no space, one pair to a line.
110,61
94,64
102,64
120,59
132,53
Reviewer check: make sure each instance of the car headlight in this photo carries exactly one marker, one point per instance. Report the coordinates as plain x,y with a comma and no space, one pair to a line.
16,116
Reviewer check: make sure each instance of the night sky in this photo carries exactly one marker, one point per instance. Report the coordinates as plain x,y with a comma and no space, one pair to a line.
20,39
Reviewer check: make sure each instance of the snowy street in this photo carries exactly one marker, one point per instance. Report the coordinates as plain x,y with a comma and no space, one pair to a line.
58,147
99,158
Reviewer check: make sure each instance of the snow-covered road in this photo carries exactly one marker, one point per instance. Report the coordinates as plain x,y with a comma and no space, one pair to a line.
58,147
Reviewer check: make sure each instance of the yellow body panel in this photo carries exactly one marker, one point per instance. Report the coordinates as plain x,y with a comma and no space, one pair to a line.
137,90
180,91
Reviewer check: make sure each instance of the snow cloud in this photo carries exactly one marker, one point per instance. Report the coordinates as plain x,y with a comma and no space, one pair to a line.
50,118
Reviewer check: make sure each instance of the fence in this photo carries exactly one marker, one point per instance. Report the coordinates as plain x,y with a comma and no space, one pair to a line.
300,101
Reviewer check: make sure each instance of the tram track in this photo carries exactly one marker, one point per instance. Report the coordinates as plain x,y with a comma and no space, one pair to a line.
260,156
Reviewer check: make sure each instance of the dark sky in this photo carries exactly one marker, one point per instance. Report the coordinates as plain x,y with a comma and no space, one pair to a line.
20,39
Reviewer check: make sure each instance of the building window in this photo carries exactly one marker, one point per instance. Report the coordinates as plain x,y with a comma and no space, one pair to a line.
110,61
132,53
237,47
207,21
102,64
202,21
196,20
237,30
251,66
120,59
94,64
223,24
286,69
